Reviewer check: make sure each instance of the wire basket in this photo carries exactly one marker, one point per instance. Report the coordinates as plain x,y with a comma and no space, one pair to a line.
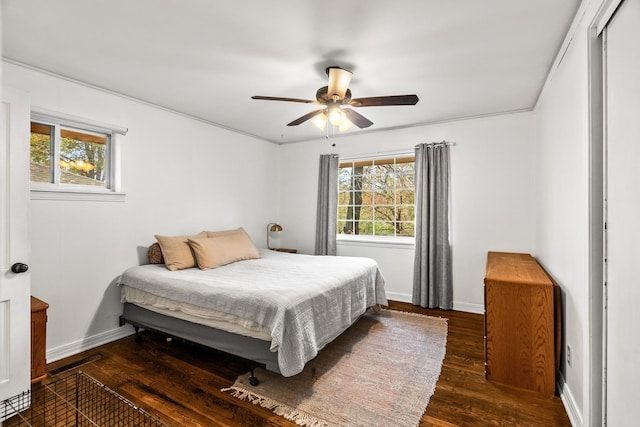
79,400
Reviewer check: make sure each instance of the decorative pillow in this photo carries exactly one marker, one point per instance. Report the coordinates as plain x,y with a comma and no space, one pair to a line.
222,249
225,232
155,254
176,251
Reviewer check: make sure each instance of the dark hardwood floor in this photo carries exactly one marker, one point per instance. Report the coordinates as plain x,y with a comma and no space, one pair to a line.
180,383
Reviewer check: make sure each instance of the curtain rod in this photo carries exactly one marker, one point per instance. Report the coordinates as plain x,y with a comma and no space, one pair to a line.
443,142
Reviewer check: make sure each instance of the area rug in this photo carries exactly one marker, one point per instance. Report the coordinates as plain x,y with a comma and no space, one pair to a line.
382,371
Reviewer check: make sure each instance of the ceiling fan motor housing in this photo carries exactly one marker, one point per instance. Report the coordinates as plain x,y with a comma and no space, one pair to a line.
322,95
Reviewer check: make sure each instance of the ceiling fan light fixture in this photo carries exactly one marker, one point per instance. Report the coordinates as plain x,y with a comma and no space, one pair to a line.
345,126
320,121
336,116
339,105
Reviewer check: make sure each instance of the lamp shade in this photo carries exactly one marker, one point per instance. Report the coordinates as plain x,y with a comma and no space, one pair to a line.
345,126
272,227
275,228
336,116
320,121
339,80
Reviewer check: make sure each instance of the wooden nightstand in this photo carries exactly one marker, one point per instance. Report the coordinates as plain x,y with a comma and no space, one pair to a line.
38,339
291,251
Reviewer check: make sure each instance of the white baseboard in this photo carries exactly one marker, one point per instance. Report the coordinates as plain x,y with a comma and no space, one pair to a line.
468,307
575,417
88,343
460,306
399,297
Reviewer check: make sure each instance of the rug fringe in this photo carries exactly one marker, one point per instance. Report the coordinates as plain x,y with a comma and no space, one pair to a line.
410,313
291,414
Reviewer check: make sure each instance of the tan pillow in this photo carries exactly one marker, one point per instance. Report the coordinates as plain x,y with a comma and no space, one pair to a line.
213,252
176,251
225,232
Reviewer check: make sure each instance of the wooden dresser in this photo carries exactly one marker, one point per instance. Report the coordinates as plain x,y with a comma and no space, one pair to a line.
38,339
522,323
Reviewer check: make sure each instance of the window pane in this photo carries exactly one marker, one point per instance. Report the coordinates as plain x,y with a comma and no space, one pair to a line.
405,197
342,213
385,228
367,197
355,198
344,227
385,213
363,170
364,228
356,212
344,179
380,182
41,152
405,168
405,229
385,198
405,213
365,212
343,197
82,158
405,181
355,227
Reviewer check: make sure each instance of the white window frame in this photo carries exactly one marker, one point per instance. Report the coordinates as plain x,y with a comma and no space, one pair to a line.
378,241
57,191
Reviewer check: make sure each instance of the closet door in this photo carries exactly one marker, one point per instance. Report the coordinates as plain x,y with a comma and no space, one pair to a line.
15,309
622,189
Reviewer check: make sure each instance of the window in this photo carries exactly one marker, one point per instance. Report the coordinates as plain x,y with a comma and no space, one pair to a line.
71,155
376,197
81,157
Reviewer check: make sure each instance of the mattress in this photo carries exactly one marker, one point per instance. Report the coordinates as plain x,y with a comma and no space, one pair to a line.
200,315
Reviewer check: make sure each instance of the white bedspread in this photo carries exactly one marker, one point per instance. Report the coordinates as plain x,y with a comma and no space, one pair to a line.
305,301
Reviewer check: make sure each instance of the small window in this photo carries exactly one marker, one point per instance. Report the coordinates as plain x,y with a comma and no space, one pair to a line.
68,155
82,158
376,197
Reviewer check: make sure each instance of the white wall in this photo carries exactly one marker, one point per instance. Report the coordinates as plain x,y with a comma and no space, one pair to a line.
562,242
493,196
179,175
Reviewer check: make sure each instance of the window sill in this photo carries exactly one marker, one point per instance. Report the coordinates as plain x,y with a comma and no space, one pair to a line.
76,194
381,242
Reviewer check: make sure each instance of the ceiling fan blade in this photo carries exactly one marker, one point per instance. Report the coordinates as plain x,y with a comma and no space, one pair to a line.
277,98
339,80
379,101
357,118
306,117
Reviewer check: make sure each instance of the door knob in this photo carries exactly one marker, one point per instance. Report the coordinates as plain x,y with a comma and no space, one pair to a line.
19,267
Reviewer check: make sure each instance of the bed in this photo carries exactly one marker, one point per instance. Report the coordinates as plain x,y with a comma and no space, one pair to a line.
278,309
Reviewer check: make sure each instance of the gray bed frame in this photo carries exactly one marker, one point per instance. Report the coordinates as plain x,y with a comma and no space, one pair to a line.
253,349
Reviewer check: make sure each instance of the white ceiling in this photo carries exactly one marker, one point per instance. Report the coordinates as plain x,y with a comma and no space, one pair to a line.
206,58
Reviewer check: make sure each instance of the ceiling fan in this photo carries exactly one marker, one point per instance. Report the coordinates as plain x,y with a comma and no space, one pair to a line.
337,99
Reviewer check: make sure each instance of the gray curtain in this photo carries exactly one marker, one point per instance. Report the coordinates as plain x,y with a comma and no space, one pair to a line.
432,271
327,214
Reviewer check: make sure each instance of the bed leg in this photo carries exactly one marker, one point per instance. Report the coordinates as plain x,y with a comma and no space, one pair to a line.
252,379
137,339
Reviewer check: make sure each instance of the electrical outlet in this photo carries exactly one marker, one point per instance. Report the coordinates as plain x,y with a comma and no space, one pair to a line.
569,355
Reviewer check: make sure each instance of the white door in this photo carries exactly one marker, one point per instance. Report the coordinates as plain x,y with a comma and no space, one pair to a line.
15,341
622,142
